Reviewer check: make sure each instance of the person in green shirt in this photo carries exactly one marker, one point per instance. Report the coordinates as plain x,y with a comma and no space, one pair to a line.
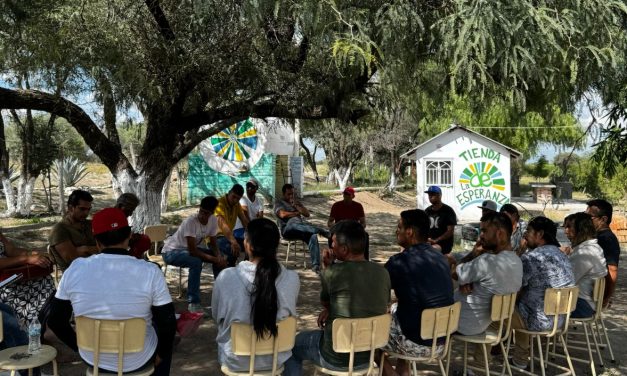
345,294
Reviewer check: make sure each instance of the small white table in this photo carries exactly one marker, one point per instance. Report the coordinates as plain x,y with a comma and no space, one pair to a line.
47,354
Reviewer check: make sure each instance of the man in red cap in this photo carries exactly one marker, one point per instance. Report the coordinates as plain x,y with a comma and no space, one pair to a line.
113,285
348,208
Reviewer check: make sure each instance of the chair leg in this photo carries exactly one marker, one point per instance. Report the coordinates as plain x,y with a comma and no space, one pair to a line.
505,357
381,364
464,372
567,355
448,356
287,256
485,359
607,340
531,340
591,357
442,369
541,356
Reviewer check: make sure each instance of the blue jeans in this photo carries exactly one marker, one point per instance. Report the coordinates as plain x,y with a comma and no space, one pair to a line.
307,347
224,245
182,258
13,335
308,234
582,310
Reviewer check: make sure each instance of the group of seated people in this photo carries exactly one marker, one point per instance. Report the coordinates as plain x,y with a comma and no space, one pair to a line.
260,291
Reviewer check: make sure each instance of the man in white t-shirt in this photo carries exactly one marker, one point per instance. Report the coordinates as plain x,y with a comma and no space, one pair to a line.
187,248
252,205
490,270
114,285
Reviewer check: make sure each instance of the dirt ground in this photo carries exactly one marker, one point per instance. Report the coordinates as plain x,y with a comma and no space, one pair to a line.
196,354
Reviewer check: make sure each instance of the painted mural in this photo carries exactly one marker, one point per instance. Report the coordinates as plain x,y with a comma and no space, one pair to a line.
235,149
481,178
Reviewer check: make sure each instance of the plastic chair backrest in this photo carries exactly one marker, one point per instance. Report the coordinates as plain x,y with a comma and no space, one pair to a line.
440,322
560,301
244,341
110,336
501,311
364,334
156,233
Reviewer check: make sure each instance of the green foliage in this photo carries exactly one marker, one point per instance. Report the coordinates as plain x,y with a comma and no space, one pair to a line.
72,170
540,169
564,163
589,176
50,144
371,175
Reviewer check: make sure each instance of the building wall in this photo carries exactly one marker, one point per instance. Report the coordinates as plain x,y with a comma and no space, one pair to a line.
204,181
480,171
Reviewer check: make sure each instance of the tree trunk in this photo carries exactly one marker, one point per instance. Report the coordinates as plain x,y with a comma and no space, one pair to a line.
179,184
342,174
311,159
25,195
148,187
165,192
9,196
5,171
61,184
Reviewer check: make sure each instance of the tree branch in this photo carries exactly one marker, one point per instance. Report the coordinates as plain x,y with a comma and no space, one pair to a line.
162,22
192,139
109,153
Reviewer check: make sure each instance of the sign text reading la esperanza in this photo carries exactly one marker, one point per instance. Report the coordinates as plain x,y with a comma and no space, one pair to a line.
469,195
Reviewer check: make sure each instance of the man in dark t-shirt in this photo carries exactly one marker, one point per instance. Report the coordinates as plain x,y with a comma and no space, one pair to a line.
421,279
601,212
442,221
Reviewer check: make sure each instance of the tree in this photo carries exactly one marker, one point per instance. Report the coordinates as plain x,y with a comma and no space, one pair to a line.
192,68
540,168
342,145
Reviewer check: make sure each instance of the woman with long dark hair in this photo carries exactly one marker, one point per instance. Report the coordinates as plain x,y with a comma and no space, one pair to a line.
259,291
586,258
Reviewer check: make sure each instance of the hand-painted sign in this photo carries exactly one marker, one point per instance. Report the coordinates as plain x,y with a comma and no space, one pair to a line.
482,178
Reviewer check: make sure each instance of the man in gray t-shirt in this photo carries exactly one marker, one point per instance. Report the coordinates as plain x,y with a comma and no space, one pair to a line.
496,271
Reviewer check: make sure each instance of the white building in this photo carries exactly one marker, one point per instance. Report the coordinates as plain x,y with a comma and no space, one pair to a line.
467,166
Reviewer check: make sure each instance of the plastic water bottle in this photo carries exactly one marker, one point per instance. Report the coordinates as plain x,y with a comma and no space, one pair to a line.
34,336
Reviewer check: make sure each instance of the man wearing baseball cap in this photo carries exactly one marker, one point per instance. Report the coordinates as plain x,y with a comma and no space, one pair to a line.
443,221
488,207
348,208
114,285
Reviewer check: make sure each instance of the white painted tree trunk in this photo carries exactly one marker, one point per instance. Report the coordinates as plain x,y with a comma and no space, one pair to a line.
165,192
9,196
331,176
342,179
393,181
25,195
296,150
149,210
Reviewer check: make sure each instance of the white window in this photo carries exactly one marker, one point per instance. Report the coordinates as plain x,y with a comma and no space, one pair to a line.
439,173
